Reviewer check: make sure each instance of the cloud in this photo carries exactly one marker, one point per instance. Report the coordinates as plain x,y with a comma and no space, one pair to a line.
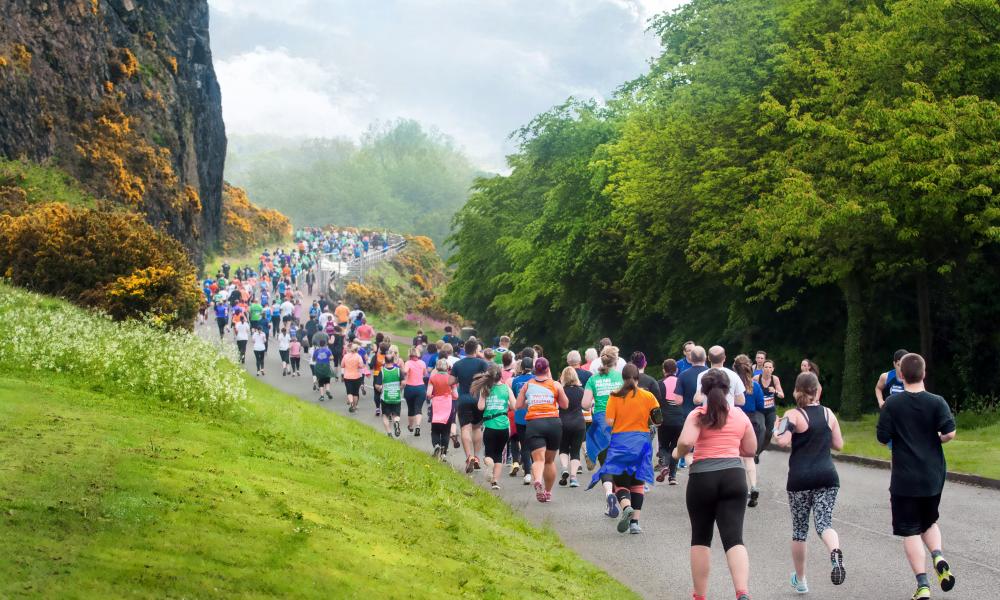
474,70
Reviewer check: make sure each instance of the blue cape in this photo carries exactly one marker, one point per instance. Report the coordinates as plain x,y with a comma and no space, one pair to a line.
598,436
631,453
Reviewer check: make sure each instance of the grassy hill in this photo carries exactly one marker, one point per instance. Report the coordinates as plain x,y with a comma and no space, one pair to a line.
137,463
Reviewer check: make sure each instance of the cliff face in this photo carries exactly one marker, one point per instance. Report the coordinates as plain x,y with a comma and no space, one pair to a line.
123,95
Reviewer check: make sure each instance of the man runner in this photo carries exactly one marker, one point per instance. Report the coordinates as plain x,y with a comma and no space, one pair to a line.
890,382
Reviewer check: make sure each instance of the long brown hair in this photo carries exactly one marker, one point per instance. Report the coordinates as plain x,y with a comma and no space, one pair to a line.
806,389
715,386
630,380
484,382
744,368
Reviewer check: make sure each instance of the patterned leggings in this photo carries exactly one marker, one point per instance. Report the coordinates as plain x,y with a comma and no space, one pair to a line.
820,502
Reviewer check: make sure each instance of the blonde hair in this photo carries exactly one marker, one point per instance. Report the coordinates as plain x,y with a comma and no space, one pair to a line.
569,377
609,358
441,366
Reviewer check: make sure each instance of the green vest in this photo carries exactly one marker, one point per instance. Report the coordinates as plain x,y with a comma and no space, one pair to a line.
495,413
392,391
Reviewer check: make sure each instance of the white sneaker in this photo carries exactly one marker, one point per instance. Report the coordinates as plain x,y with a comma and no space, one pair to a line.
527,479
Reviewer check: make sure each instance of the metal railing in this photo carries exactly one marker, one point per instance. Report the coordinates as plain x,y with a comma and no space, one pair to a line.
336,273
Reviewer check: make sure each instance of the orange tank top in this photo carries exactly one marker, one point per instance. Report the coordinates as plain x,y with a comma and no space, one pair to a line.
541,398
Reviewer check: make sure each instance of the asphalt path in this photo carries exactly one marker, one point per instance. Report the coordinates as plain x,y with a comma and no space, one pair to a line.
655,564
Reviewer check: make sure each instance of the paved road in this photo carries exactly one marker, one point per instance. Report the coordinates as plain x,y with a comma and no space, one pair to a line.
655,564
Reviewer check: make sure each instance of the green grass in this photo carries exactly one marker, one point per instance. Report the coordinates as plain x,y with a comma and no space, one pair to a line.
401,330
214,260
43,183
975,450
106,493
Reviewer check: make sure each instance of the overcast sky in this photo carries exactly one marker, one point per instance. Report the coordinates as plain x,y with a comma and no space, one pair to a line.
474,69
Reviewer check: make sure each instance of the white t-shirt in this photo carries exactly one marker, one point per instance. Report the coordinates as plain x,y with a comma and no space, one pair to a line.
596,364
283,341
452,360
736,386
242,331
259,340
286,309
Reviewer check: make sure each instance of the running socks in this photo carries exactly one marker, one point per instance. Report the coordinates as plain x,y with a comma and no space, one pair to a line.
945,577
922,580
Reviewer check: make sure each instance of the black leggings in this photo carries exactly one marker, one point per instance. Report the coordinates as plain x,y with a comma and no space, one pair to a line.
259,355
494,441
296,362
717,497
770,415
572,440
241,349
439,434
667,433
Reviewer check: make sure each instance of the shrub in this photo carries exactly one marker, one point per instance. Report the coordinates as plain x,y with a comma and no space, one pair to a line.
112,260
175,366
246,226
368,299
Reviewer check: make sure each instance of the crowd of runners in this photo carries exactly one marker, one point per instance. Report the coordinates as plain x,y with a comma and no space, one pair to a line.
517,412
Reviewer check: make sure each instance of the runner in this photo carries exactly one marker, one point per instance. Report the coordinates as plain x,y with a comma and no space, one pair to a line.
470,418
629,459
543,398
771,384
595,396
295,356
737,389
890,382
685,362
574,427
519,449
687,389
259,349
502,348
759,358
443,396
342,314
917,423
221,317
812,430
494,398
321,357
415,391
673,421
337,340
604,344
284,343
808,366
353,366
392,391
242,331
375,364
717,486
752,405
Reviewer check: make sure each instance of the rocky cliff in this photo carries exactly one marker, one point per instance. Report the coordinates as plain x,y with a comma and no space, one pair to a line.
121,94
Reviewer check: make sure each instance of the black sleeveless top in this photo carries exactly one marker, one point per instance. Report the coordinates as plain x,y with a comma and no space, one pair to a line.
810,465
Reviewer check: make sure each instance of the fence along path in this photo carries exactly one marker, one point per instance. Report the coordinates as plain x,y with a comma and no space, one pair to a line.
335,273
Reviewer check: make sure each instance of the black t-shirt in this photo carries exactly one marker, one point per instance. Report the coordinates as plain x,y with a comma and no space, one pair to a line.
687,387
583,375
572,416
913,422
465,371
652,386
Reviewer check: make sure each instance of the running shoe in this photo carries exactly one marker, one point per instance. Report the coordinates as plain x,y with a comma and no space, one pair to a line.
328,393
416,432
672,480
468,465
574,482
437,451
395,428
475,463
579,470
663,475
315,387
754,496
409,428
682,463
564,479
378,412
634,528
527,479
613,510
548,496
743,597
514,468
923,593
494,486
454,441
352,409
364,391
944,574
799,586
625,519
539,492
322,398
839,573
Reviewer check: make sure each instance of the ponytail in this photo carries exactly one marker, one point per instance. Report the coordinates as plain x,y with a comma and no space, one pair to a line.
715,386
630,380
485,381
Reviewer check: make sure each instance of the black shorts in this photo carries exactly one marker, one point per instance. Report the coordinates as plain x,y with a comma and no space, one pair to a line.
390,409
572,441
321,381
494,441
468,414
353,386
913,515
543,433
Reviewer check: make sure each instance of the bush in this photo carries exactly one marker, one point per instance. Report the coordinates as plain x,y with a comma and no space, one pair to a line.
112,260
172,366
368,299
246,226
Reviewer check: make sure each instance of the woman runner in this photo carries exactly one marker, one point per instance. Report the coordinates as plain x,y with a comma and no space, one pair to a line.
595,395
242,331
574,427
443,396
495,398
543,398
629,459
752,406
284,342
771,384
808,366
353,365
321,357
415,392
259,349
673,421
295,356
392,391
717,483
813,482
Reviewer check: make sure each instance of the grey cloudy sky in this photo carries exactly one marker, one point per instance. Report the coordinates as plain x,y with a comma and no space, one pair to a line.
475,70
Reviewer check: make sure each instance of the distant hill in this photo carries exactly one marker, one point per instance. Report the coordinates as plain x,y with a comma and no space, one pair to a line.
400,176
